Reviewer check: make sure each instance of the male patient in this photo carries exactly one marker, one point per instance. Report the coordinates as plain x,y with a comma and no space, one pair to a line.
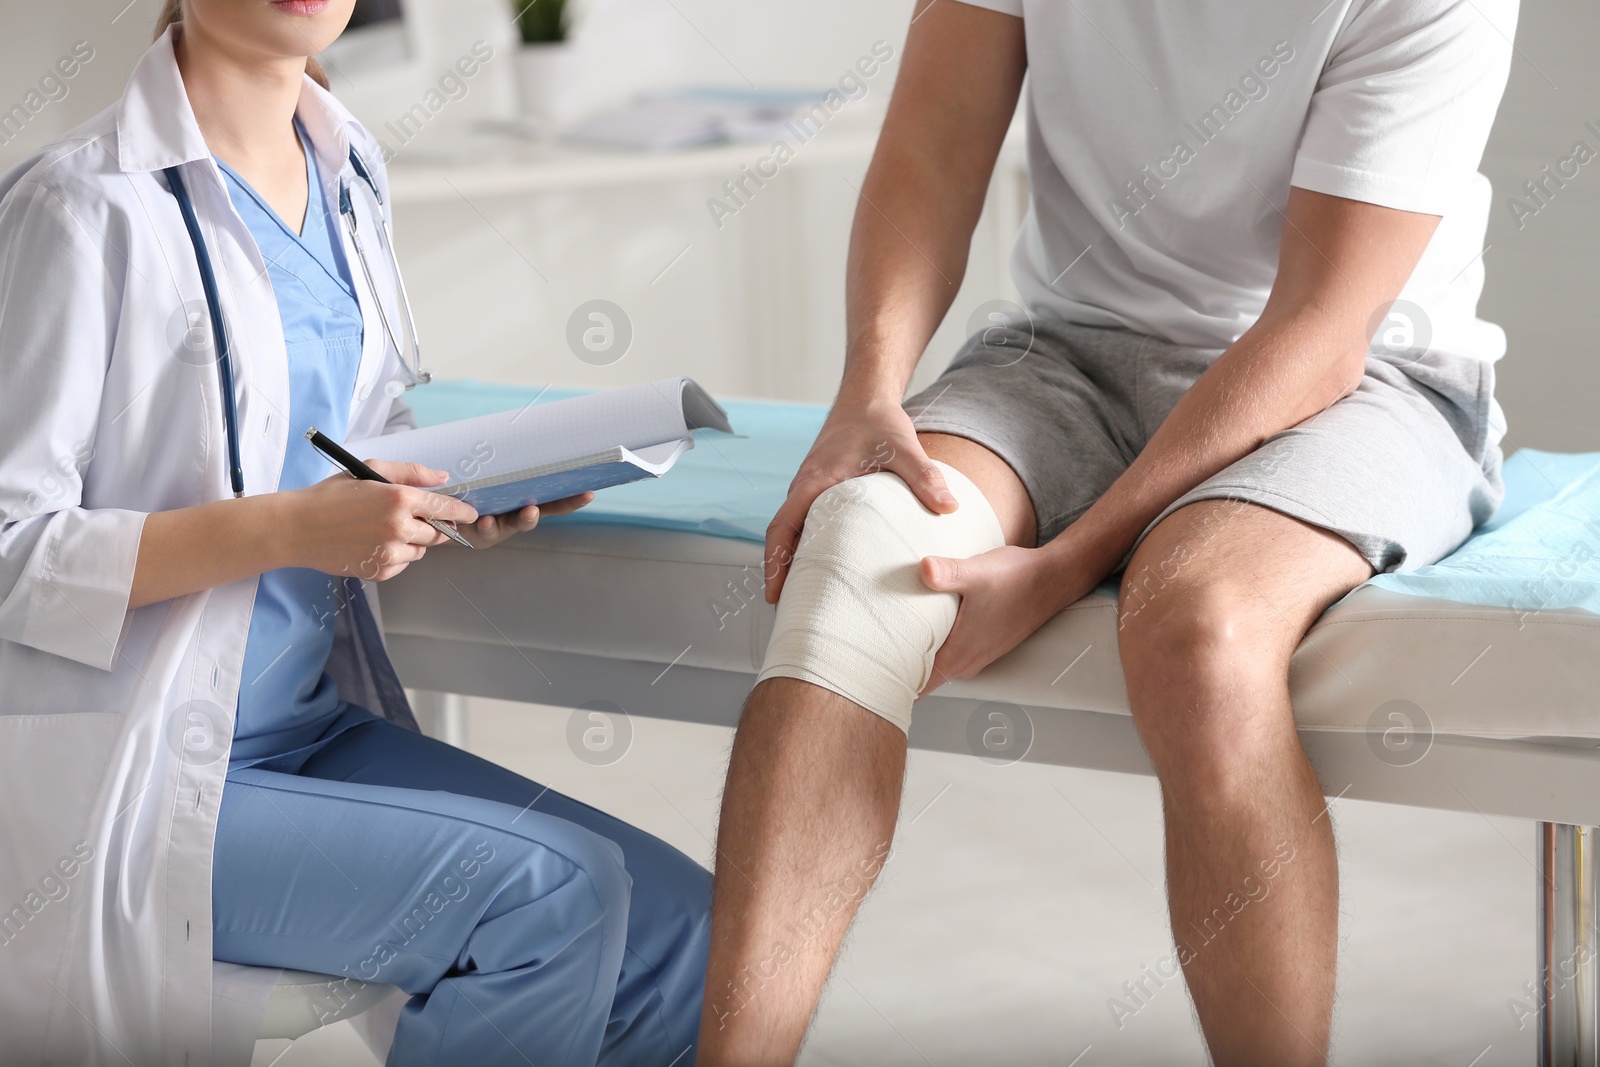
1227,198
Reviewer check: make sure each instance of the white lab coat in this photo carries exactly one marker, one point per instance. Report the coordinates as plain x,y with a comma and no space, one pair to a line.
115,726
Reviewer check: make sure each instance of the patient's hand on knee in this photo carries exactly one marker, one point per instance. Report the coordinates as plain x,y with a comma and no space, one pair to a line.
857,439
1006,594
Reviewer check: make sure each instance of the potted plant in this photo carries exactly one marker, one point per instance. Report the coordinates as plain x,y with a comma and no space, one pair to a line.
546,73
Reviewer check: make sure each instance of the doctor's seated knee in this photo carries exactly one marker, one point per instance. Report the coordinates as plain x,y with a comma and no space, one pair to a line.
581,871
855,617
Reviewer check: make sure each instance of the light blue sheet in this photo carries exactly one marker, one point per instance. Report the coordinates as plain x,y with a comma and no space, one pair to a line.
1540,552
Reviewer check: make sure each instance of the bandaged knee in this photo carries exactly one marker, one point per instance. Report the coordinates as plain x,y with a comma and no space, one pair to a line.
855,617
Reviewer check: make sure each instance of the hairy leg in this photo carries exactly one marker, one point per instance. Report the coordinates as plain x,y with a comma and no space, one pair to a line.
808,815
1213,606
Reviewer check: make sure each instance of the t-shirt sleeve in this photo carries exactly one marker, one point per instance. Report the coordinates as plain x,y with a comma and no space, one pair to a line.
1005,7
1404,104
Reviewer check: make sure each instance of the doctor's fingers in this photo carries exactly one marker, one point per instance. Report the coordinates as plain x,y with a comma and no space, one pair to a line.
420,534
408,473
388,560
564,506
426,505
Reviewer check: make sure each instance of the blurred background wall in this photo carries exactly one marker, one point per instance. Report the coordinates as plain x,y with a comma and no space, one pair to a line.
501,251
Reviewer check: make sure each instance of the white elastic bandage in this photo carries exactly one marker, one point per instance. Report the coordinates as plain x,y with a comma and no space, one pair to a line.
854,617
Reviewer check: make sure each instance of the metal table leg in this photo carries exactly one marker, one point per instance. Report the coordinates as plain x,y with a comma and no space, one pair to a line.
1569,945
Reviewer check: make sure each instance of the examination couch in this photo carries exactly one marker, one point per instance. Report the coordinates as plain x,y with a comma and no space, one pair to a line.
1467,686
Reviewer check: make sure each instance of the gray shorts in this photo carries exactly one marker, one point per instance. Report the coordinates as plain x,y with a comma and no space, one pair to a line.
1402,468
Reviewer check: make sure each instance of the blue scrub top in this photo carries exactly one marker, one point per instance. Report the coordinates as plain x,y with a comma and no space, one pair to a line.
288,706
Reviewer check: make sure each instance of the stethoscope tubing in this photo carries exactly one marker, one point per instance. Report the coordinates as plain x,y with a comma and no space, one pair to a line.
418,375
208,285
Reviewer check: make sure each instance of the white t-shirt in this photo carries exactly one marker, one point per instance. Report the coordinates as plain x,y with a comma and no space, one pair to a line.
1163,138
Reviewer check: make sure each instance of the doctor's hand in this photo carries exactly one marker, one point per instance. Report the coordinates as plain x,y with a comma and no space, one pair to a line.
490,530
1006,594
859,437
344,526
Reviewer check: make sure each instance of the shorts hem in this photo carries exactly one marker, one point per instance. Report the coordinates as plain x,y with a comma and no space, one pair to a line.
1381,553
952,428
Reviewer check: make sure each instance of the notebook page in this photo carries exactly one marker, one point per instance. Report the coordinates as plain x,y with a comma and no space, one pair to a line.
634,417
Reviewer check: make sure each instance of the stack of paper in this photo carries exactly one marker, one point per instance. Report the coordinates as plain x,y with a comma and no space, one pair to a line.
543,452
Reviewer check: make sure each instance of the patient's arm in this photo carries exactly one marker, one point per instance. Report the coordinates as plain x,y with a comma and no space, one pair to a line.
921,198
1341,263
957,88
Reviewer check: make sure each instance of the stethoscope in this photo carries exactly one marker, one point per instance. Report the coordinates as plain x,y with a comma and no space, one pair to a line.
411,365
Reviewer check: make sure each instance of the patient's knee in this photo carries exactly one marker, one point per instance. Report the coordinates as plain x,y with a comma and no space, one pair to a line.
854,617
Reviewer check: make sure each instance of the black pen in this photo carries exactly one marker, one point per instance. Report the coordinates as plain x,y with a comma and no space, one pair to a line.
354,467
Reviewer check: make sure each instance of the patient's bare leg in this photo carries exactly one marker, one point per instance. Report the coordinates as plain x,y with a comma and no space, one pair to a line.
808,813
1213,605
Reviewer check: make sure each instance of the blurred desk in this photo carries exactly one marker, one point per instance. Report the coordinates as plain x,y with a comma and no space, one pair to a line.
502,164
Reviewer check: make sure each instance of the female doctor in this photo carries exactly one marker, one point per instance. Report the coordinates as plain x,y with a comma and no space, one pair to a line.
204,752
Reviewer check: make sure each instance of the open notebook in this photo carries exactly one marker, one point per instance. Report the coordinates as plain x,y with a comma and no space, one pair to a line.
543,452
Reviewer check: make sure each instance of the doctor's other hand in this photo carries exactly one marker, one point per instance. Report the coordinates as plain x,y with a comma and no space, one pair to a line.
344,526
859,437
490,530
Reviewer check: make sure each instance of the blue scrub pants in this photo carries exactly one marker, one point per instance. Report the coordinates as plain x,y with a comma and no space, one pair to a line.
529,928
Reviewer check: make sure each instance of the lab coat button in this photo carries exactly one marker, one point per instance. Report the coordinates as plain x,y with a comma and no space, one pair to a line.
364,392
